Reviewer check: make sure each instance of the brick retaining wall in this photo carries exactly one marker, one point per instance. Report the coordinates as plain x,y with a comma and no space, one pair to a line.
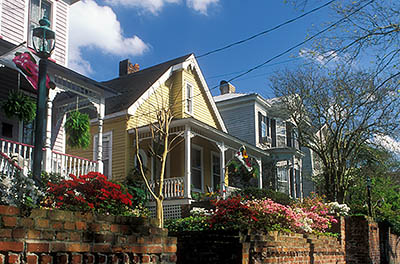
273,247
52,236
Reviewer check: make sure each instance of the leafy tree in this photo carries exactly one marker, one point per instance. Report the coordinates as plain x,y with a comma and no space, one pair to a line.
336,113
383,168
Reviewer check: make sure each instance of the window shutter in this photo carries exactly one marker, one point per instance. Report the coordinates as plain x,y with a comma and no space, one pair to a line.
259,127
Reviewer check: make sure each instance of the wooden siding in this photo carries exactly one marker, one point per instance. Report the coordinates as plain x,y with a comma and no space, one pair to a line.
241,122
120,145
202,109
61,28
14,27
168,95
13,21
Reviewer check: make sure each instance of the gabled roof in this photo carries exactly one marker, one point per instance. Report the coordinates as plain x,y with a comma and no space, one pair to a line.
133,85
135,88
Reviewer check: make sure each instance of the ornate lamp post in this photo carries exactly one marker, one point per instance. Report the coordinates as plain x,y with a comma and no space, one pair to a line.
43,43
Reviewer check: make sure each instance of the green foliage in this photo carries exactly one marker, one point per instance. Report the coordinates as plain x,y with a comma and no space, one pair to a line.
136,188
382,167
191,223
255,193
77,128
19,105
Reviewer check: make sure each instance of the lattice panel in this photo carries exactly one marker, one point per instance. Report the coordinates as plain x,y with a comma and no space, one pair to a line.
170,211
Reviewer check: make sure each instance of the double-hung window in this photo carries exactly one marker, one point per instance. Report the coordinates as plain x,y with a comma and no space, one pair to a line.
263,127
37,10
196,168
189,99
216,170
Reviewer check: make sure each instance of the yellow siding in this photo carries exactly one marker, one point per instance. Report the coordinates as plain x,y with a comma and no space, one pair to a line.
202,109
169,95
120,144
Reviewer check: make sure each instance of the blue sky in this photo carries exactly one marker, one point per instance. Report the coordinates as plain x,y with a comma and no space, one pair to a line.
149,32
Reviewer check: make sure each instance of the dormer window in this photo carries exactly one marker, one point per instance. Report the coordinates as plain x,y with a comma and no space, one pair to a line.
189,99
37,10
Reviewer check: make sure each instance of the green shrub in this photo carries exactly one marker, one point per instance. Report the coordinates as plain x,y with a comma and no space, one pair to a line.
191,223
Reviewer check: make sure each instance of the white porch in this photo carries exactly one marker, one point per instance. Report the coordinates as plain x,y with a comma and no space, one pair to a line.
72,92
201,157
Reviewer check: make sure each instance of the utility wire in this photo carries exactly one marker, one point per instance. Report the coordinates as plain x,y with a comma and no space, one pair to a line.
265,31
279,55
301,43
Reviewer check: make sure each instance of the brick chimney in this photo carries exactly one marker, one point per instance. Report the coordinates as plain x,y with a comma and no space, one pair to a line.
126,67
226,87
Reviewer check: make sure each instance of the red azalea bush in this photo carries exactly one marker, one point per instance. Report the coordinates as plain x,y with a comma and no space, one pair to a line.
90,192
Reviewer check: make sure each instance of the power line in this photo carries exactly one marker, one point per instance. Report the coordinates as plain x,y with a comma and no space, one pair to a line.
301,43
265,31
280,54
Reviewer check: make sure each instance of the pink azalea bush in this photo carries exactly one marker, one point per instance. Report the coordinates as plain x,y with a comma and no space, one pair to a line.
309,216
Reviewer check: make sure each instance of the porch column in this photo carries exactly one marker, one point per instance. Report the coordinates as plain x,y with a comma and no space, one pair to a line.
187,178
47,141
222,184
289,178
294,183
259,162
301,179
100,116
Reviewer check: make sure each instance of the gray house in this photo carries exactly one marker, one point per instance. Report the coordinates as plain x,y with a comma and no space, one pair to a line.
262,122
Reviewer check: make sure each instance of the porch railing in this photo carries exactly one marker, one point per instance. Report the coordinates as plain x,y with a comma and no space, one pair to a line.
173,188
22,155
8,167
66,164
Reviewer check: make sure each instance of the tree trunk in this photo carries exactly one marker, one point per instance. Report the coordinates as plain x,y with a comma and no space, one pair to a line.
159,213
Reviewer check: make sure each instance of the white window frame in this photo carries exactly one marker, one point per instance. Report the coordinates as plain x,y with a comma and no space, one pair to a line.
189,98
196,147
51,18
105,135
218,155
283,182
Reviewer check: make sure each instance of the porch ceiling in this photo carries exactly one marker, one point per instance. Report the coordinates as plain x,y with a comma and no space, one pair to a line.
212,134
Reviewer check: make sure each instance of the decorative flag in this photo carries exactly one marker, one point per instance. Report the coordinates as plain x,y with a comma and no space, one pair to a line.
242,156
24,60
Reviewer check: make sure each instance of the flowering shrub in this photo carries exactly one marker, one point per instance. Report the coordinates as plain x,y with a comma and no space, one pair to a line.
90,192
338,209
264,214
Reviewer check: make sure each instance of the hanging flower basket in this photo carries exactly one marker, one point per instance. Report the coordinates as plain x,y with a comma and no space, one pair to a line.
77,128
19,105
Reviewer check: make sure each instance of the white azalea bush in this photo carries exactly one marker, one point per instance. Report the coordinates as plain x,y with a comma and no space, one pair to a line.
338,209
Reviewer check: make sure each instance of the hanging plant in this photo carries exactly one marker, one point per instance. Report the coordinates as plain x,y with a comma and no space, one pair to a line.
19,105
77,128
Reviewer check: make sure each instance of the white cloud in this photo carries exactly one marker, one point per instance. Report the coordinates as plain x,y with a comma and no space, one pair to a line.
201,5
321,58
388,143
97,26
155,6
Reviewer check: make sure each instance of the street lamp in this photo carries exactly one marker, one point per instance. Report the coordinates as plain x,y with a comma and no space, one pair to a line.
369,195
43,39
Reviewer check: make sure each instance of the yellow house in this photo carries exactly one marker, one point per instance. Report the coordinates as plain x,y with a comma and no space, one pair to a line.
198,161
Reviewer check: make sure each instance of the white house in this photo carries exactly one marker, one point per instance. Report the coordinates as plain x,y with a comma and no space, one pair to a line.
260,122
